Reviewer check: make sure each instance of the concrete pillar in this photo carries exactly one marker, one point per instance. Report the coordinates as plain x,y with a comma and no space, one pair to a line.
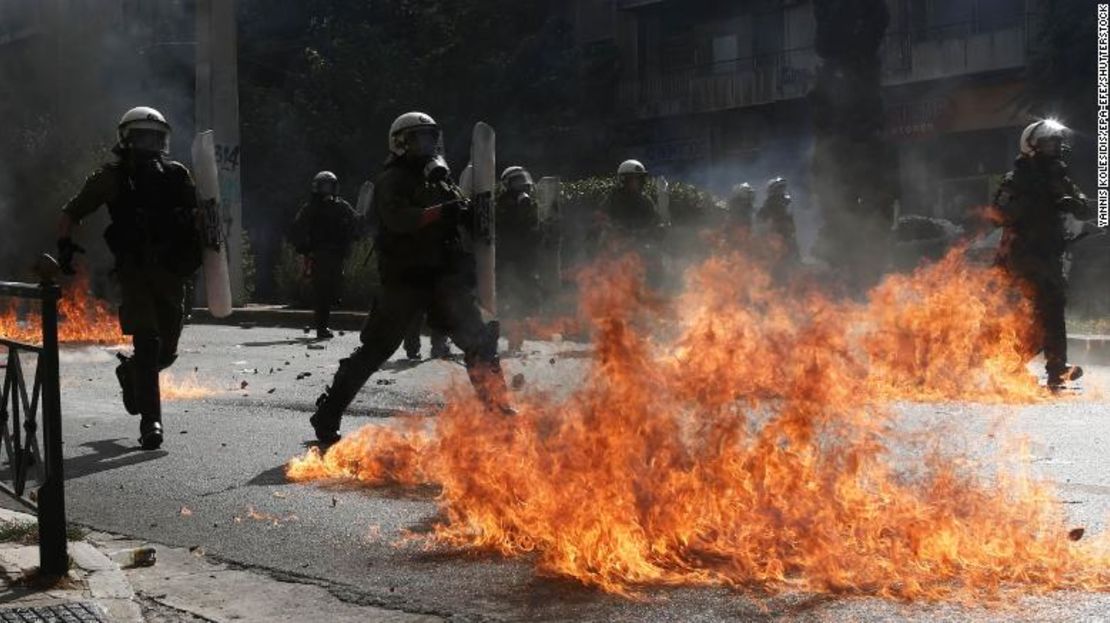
217,107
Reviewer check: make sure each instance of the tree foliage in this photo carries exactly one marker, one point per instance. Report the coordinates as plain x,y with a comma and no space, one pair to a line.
321,81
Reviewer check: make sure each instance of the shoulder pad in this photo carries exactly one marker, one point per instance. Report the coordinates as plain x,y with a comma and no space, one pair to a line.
106,173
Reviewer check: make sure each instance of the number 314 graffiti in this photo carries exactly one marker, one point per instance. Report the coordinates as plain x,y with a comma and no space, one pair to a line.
227,157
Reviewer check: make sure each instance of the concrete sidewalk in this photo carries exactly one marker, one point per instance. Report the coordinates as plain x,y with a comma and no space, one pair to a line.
187,586
181,586
95,589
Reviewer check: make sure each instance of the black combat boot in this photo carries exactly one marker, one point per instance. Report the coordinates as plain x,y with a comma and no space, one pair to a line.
323,318
127,384
440,349
148,396
1057,379
412,346
483,366
353,373
325,422
150,432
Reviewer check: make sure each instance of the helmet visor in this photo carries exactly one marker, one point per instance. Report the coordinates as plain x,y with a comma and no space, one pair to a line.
635,181
1052,145
325,186
521,182
424,142
147,141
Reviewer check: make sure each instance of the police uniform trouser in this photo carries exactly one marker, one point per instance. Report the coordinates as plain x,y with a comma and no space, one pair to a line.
412,338
1044,284
151,311
327,285
451,308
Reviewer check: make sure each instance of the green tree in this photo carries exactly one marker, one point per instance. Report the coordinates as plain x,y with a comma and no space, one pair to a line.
322,80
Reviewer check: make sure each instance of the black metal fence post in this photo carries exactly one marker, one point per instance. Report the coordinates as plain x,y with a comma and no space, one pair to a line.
20,426
53,558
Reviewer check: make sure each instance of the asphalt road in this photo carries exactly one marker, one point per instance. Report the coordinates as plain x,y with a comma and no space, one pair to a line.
218,484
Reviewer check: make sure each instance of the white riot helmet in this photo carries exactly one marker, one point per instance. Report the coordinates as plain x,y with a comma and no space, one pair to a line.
325,183
631,167
744,191
516,179
144,128
415,133
776,187
1046,136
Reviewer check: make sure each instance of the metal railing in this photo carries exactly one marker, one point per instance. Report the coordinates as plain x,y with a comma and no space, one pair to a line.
20,424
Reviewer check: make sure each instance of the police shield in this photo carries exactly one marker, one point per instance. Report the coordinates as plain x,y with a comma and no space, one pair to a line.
663,200
216,280
547,198
484,178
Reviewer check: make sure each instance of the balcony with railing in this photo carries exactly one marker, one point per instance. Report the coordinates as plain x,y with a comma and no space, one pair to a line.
958,49
936,53
723,85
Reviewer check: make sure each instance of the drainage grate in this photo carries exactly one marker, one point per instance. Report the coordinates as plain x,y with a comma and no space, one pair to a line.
80,612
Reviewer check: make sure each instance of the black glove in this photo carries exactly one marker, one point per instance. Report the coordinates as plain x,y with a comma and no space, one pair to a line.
457,211
67,248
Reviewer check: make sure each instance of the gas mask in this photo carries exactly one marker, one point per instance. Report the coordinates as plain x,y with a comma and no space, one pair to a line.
436,170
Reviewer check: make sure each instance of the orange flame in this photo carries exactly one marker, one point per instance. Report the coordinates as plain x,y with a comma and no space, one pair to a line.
750,443
82,318
184,388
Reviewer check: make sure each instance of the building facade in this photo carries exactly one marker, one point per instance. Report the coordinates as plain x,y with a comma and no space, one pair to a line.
715,93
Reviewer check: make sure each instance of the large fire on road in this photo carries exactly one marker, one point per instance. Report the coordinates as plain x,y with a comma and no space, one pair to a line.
82,318
745,436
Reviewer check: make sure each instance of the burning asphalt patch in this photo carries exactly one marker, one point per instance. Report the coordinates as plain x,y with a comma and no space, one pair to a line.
741,434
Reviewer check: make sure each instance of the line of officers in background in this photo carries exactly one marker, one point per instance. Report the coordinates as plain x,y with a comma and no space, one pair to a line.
326,227
420,219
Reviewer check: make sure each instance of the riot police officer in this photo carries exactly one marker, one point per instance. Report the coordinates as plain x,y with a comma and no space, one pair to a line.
631,222
519,241
629,210
741,207
323,232
774,218
1032,202
424,267
155,240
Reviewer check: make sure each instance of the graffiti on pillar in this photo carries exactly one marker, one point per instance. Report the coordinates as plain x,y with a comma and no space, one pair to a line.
227,161
227,157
